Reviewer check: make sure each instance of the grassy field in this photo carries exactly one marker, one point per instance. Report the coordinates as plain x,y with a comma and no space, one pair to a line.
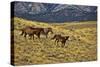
81,46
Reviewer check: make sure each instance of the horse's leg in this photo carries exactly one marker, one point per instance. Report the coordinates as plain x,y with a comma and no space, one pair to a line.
63,44
30,36
25,35
33,36
57,42
46,36
22,33
38,35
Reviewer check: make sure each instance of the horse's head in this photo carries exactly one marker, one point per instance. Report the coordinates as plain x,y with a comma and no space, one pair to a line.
50,30
66,37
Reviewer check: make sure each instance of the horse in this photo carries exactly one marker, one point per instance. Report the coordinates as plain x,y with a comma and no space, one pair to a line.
44,31
63,40
59,38
35,32
24,30
31,31
56,37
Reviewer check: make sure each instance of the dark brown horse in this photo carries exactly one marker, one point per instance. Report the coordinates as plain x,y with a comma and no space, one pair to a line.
31,31
59,38
37,30
56,37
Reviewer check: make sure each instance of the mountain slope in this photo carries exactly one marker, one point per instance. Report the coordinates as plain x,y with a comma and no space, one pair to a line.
54,12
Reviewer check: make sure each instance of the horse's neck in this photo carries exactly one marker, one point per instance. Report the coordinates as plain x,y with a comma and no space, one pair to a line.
46,30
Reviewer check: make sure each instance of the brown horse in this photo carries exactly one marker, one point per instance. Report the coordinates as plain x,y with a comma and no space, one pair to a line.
24,30
46,31
59,38
56,37
37,30
31,31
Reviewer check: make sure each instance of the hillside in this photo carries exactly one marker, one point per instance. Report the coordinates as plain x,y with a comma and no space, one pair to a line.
81,46
50,12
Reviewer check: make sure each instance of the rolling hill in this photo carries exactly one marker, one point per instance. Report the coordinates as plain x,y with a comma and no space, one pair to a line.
81,46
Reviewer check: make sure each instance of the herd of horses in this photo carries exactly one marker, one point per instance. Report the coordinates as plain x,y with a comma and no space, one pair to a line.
31,31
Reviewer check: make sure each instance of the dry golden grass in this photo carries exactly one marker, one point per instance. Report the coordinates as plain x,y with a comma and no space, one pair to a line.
82,45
